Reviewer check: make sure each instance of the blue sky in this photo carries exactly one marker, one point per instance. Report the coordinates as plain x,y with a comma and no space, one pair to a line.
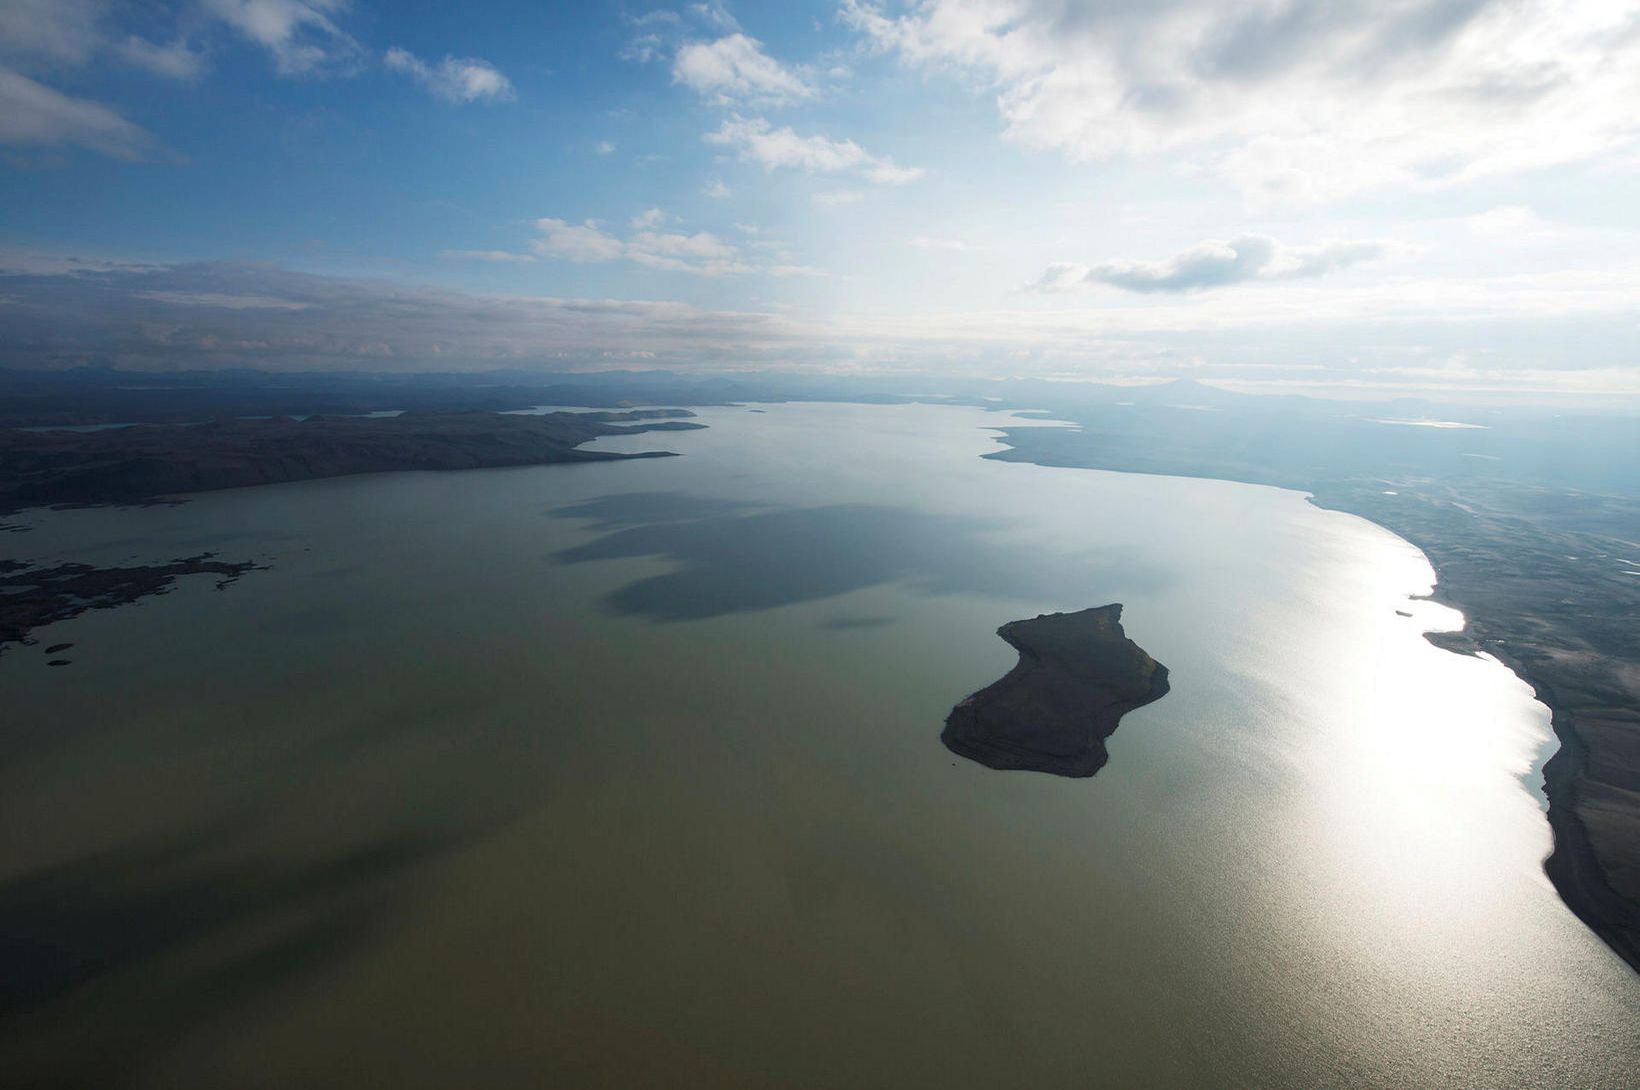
1401,196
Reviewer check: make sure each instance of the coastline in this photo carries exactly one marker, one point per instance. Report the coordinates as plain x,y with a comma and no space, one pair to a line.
1573,659
1572,865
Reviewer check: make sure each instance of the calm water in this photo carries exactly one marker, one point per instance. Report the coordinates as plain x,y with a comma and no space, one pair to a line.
629,774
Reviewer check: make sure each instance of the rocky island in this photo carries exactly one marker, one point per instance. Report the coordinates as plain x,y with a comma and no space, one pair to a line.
1077,675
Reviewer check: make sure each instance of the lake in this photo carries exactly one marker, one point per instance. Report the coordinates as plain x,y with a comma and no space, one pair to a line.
629,774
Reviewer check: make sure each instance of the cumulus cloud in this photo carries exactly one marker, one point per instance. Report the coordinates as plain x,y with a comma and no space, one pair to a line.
755,140
1213,264
1293,100
34,114
454,79
735,68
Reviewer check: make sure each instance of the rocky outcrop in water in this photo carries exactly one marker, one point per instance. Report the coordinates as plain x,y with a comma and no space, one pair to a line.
1077,675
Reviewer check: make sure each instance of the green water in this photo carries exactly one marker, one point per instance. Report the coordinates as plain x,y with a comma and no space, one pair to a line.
629,774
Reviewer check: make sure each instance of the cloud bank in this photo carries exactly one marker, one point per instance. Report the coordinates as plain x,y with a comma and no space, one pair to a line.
1569,334
1287,99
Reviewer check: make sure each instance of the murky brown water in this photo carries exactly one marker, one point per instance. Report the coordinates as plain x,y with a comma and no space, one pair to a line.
629,774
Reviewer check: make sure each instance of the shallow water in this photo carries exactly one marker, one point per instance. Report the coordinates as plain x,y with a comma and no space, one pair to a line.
629,773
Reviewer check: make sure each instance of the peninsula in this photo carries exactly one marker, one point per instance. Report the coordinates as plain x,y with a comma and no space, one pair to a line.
1077,675
140,463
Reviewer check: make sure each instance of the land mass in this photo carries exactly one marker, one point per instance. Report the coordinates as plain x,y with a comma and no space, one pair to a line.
31,597
140,463
1077,675
1532,527
145,463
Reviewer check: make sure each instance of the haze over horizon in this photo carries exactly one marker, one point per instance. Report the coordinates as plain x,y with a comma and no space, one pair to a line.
1429,197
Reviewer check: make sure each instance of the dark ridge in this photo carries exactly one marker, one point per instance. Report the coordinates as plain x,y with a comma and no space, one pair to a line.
140,463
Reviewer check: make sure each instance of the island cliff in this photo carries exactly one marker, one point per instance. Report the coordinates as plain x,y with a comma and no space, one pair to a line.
1077,675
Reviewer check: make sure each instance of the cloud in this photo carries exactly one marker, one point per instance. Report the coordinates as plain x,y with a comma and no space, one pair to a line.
301,34
177,61
701,253
49,33
837,197
1213,264
603,147
950,245
756,140
34,114
1568,331
715,189
492,256
454,79
191,316
649,217
1291,100
735,68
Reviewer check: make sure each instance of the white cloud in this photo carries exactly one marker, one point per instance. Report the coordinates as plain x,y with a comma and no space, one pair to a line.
952,245
754,139
1513,222
1290,100
584,242
454,79
701,253
499,257
1213,264
175,61
300,34
49,33
836,197
603,147
715,189
735,68
34,114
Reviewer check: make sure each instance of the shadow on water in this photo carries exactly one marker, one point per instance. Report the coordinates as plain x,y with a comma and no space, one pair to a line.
109,957
77,937
736,557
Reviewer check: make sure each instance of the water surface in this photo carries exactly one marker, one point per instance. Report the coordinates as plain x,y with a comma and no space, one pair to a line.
629,773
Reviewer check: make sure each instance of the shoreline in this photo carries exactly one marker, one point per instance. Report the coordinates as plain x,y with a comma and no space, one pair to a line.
1509,630
1571,865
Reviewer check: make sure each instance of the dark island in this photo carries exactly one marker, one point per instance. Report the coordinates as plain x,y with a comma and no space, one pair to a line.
1077,675
142,462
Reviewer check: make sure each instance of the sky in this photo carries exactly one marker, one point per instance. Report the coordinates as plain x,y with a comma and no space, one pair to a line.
1347,197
